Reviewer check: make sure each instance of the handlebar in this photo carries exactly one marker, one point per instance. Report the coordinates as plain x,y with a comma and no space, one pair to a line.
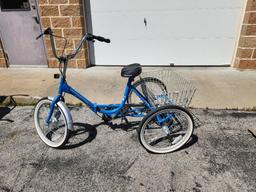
91,37
86,37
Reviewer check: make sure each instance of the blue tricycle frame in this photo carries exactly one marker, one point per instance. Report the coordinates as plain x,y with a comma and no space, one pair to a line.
110,110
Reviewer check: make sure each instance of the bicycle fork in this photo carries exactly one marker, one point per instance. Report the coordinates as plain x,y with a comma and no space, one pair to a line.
62,109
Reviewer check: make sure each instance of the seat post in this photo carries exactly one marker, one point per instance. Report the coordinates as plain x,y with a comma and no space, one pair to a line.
130,80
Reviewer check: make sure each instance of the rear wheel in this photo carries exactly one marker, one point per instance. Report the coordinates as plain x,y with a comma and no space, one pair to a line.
166,129
151,88
56,132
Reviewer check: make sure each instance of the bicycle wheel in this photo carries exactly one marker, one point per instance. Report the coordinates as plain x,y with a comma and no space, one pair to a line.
56,132
151,88
166,129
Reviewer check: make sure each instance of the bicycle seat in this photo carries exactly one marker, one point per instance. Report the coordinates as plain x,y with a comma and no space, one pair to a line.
131,70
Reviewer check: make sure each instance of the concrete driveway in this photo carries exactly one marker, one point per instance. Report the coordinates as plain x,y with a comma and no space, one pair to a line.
220,157
217,88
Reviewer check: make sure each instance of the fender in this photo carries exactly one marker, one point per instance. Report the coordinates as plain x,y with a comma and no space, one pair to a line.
66,112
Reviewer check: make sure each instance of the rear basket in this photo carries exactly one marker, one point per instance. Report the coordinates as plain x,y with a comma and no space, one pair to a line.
177,91
167,87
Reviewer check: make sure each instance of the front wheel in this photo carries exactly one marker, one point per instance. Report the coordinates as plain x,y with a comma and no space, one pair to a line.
56,132
166,129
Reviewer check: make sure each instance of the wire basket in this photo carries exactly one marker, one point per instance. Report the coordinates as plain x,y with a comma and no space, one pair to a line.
167,87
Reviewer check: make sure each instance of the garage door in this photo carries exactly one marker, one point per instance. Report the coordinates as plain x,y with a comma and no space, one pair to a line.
164,32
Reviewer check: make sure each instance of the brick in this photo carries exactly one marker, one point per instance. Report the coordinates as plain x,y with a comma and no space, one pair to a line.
247,42
243,30
50,54
73,33
68,51
76,42
81,63
56,32
254,54
47,43
246,18
61,22
78,22
252,18
43,2
71,10
244,53
58,1
1,53
2,62
53,63
49,10
247,64
236,63
61,43
80,55
249,30
77,2
72,64
251,5
45,22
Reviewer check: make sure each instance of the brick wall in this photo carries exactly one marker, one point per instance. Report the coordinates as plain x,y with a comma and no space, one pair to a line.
2,59
246,51
65,17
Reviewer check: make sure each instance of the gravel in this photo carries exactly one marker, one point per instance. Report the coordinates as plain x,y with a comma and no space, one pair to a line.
220,156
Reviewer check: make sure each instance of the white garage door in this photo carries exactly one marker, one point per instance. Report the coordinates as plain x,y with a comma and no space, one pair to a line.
162,32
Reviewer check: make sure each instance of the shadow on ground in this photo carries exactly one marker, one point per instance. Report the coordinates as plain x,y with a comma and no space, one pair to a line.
193,140
83,133
126,126
5,111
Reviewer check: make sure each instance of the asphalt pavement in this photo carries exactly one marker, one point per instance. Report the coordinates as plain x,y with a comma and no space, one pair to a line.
221,156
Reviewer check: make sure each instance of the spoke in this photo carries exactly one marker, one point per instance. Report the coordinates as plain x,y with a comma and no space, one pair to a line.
51,135
151,127
48,134
178,133
152,143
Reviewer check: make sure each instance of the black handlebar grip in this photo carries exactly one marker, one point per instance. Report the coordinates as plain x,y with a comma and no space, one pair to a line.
107,40
102,39
39,36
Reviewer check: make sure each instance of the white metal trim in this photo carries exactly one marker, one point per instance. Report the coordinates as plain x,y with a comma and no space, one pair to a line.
89,29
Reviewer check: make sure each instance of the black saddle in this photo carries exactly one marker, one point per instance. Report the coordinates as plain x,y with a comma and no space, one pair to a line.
131,70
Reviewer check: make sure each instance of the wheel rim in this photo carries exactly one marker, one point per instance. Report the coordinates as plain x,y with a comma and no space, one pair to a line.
153,90
168,136
54,134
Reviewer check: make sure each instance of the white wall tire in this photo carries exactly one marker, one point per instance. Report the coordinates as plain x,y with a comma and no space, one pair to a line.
144,136
48,134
